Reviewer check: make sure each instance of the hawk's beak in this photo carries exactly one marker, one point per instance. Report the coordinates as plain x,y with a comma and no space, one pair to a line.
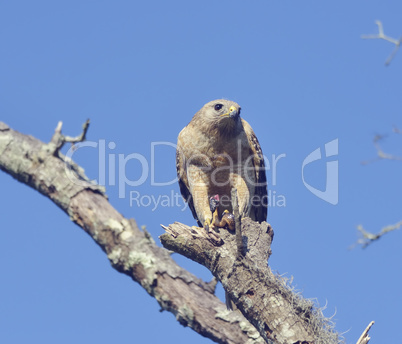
233,112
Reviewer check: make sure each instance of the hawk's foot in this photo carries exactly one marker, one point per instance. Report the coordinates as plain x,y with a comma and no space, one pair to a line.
212,232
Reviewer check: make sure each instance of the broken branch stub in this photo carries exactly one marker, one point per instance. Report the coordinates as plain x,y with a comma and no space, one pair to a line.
257,292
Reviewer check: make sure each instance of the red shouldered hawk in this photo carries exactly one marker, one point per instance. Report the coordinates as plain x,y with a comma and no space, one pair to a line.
217,151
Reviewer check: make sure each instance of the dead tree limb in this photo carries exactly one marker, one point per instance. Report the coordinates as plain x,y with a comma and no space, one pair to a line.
367,237
130,250
381,35
279,314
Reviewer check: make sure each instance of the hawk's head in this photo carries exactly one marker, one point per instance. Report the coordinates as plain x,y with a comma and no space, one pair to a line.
222,114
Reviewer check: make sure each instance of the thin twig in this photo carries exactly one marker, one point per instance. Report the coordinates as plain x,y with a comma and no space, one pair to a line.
58,139
380,153
367,237
81,137
381,35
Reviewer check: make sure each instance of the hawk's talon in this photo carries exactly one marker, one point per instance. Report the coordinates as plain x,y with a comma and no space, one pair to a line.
207,225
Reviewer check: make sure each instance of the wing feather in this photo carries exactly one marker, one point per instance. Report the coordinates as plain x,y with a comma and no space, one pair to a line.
183,180
260,211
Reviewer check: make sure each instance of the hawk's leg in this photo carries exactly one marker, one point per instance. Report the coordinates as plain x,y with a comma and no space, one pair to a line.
215,218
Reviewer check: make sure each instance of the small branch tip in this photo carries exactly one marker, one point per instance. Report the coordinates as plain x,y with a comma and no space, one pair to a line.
365,338
381,35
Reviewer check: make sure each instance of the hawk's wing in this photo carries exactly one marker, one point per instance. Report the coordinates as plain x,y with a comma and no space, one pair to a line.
260,212
183,180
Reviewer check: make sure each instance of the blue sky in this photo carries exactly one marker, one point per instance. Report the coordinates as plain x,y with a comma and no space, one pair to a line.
139,71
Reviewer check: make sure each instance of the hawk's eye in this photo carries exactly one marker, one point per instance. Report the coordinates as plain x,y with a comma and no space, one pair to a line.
217,107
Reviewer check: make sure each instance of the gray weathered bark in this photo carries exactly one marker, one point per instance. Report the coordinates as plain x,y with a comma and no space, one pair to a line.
280,315
130,250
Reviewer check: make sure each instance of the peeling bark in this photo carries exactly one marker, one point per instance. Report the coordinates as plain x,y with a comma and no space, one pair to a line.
130,250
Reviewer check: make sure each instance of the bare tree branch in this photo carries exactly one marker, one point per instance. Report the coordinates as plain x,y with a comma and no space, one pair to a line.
280,315
130,250
381,155
367,238
381,35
